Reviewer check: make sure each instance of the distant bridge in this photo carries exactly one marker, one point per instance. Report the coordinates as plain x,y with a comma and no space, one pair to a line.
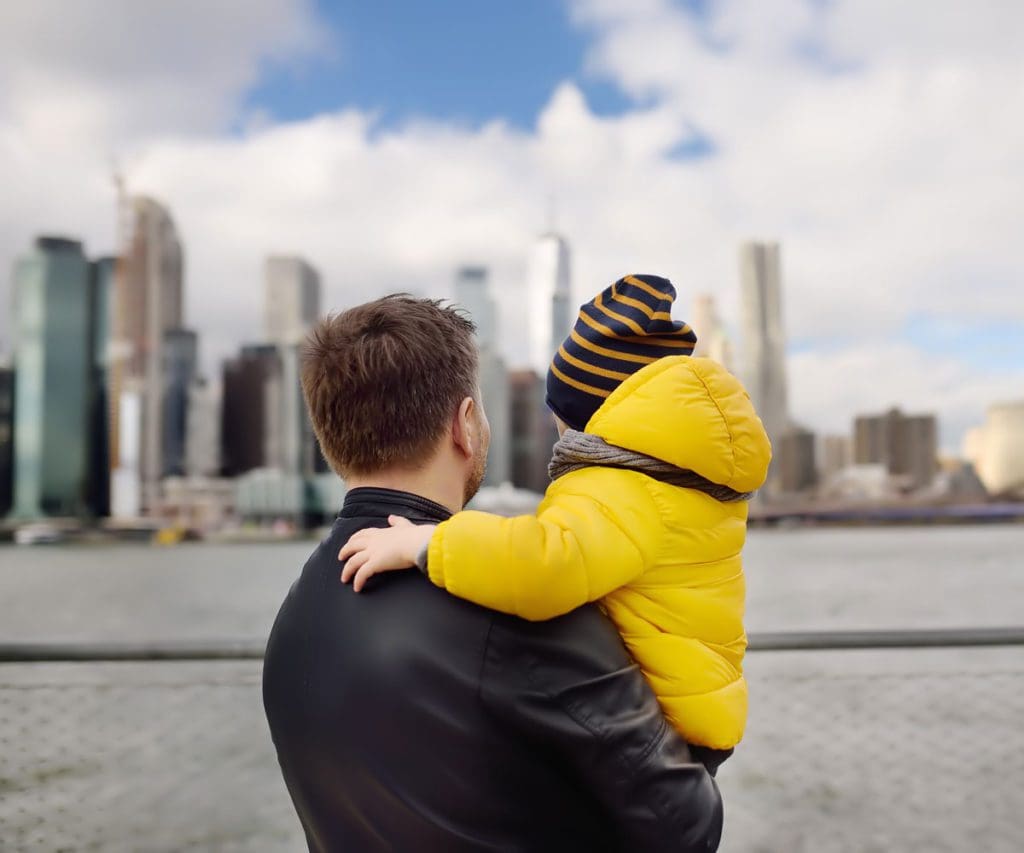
907,514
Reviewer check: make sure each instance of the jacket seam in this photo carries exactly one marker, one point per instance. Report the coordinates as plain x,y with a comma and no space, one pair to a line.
607,513
581,720
725,420
483,662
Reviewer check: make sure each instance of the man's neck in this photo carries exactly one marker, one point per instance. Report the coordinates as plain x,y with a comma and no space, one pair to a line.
425,483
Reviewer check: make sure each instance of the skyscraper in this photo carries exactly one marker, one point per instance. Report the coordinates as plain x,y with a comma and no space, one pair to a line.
292,305
906,444
836,455
999,450
102,292
548,298
249,420
472,293
202,430
764,340
798,470
180,356
6,439
6,319
533,431
52,364
712,340
148,304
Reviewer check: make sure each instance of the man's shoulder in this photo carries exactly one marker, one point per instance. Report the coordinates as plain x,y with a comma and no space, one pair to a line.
579,645
396,613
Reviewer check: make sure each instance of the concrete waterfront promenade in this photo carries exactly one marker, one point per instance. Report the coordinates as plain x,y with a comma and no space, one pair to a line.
847,750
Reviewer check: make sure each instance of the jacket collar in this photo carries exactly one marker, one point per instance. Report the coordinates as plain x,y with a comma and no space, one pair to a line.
372,502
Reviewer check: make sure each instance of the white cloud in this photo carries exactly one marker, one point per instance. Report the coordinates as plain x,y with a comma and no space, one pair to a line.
892,187
85,87
111,71
828,387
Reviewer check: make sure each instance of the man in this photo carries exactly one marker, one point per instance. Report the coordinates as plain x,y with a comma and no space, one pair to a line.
407,719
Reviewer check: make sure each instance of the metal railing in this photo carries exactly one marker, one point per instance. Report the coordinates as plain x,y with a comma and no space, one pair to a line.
776,641
858,741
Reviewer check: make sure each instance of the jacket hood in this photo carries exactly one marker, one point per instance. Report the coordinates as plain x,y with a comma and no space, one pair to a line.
692,413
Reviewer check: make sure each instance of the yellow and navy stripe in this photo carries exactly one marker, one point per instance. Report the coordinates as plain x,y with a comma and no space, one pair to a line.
625,327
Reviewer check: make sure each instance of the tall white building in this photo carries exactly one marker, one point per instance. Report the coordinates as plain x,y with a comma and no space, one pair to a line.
763,368
292,289
202,432
292,307
148,303
548,299
472,292
712,340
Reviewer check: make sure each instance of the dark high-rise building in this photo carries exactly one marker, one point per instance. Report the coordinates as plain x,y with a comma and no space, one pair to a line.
59,459
52,361
533,431
180,354
6,440
250,393
906,444
101,294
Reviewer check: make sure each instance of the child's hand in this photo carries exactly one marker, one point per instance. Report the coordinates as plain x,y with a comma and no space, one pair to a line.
383,549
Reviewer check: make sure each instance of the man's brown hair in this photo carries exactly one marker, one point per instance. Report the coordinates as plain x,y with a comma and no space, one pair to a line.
383,380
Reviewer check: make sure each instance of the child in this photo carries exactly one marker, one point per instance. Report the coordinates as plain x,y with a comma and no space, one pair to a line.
647,511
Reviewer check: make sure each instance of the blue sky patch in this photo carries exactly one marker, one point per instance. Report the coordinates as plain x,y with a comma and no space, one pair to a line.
461,61
990,346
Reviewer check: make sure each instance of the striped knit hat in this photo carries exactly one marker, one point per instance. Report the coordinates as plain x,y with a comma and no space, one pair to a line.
625,327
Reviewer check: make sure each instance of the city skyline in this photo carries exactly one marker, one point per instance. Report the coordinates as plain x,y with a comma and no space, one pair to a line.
113,321
861,137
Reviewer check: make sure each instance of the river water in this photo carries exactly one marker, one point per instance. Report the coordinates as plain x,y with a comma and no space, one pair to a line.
845,751
798,579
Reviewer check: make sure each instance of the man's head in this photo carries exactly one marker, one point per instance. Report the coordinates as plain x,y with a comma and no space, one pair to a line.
392,386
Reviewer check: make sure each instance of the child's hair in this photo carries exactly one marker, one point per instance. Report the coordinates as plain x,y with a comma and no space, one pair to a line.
624,328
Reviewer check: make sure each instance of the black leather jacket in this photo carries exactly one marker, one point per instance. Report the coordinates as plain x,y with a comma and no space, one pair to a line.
407,719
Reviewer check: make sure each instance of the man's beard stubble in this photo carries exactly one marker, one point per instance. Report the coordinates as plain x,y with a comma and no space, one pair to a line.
476,475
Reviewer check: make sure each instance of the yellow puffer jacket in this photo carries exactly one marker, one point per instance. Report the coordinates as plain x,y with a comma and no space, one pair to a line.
665,561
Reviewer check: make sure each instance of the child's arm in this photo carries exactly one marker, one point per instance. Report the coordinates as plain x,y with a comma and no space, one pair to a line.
578,548
383,549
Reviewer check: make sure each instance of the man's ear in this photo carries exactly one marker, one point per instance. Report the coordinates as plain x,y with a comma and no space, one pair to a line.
464,428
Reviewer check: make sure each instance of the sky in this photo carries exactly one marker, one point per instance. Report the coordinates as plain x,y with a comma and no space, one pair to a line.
882,144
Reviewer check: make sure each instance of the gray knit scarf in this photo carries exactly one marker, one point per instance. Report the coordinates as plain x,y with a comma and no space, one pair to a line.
576,450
